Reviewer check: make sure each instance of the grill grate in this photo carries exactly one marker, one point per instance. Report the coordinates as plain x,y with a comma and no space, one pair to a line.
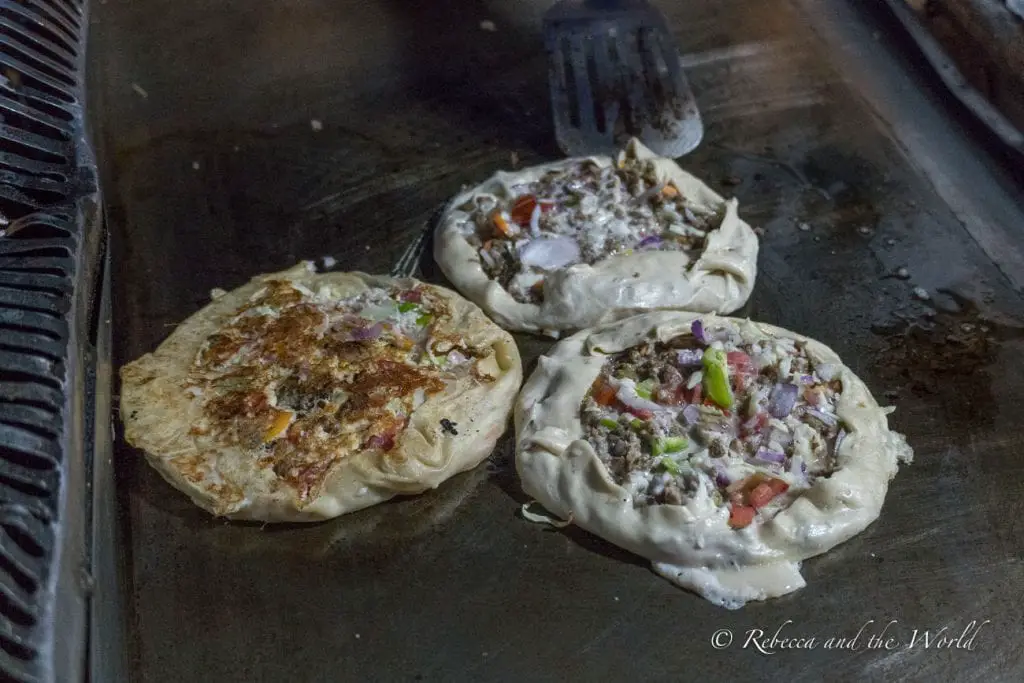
45,175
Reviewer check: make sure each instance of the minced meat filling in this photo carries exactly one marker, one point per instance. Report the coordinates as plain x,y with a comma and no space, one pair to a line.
303,378
582,214
750,422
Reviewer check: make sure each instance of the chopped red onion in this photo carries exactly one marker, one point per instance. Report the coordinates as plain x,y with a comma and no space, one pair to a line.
796,465
697,330
806,379
782,400
770,456
830,420
535,219
649,241
688,358
750,424
412,295
353,320
764,464
550,253
689,216
367,333
722,478
839,441
691,414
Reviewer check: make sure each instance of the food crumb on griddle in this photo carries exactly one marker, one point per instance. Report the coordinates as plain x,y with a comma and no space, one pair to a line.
922,293
316,124
488,25
448,427
902,273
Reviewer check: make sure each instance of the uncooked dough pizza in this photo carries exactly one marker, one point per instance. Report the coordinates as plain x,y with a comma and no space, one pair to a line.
724,451
302,396
575,243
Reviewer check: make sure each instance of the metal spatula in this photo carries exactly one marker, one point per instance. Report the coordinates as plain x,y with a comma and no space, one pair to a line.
615,74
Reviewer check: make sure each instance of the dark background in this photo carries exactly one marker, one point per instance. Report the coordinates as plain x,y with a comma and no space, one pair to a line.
815,114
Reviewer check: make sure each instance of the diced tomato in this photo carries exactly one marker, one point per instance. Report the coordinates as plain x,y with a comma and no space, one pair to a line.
671,397
755,424
739,362
778,486
741,368
413,295
604,394
522,210
696,395
740,516
761,495
639,412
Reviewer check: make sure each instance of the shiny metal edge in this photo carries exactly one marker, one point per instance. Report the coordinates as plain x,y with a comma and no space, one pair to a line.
107,654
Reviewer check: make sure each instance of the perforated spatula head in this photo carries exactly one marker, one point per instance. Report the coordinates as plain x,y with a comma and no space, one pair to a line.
615,74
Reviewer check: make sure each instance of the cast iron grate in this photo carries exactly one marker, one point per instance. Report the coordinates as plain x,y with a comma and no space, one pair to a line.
41,179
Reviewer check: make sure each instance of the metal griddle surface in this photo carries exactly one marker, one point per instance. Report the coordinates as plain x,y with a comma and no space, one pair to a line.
814,115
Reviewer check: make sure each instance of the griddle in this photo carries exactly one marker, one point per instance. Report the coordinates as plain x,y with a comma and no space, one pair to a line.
51,246
237,138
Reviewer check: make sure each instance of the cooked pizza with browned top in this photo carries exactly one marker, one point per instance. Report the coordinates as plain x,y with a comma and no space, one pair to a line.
297,376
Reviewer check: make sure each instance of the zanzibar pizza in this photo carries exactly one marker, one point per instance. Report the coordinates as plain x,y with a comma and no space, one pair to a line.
724,451
302,396
575,243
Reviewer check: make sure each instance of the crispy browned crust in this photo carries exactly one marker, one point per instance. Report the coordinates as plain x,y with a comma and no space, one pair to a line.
255,408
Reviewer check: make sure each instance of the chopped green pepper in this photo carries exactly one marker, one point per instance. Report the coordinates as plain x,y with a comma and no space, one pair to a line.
638,424
670,465
424,320
609,423
674,444
645,389
406,306
716,377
